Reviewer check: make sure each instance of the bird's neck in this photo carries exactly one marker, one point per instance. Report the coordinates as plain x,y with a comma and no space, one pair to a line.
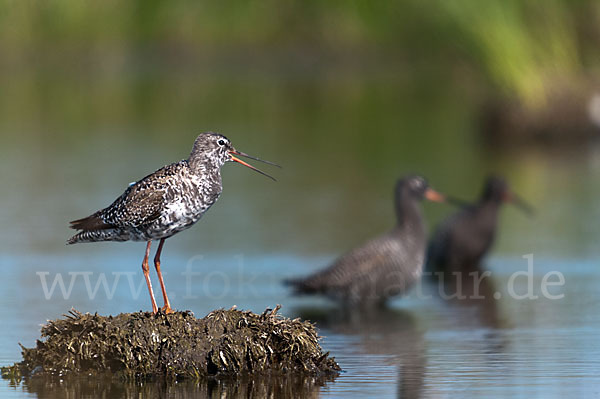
208,176
204,166
489,208
410,217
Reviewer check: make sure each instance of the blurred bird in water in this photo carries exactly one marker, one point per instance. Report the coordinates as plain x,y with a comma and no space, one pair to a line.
385,266
461,242
164,203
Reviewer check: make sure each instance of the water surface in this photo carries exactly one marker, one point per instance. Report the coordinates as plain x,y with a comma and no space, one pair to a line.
343,140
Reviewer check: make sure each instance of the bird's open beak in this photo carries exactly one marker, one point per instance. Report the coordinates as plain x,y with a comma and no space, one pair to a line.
518,202
432,195
239,153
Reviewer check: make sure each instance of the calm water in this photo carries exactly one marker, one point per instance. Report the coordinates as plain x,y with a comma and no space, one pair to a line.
347,98
344,133
261,232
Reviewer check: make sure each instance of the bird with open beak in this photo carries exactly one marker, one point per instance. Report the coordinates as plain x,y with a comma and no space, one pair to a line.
164,203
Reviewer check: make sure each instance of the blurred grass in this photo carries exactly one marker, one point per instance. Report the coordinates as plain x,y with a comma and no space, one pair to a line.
523,47
71,65
348,95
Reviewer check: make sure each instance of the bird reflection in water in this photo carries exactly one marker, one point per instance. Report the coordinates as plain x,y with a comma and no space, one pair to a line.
393,333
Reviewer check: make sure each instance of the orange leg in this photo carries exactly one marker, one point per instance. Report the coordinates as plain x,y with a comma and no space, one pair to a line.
167,308
146,271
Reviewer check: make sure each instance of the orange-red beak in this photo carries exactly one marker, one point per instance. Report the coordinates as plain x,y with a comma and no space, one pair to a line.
513,198
432,195
235,159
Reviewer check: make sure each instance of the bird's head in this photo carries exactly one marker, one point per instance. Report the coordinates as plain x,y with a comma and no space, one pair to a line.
409,191
215,149
416,188
496,190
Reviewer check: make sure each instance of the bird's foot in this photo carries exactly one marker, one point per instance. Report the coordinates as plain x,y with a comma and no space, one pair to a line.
167,309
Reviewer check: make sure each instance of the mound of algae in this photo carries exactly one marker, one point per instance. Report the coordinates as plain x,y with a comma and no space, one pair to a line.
177,346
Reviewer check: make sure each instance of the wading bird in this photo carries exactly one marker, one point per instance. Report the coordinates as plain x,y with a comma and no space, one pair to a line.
385,266
164,203
461,242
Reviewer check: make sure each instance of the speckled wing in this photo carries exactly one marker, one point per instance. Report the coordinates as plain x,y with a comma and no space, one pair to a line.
143,201
136,207
362,264
141,204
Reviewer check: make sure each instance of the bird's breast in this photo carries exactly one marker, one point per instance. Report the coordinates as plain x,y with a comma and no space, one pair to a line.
185,203
190,199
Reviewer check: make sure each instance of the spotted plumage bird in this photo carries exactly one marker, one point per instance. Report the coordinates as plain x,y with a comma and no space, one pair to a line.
164,203
460,243
385,266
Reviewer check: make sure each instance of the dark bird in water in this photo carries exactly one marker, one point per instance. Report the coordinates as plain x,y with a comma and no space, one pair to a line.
385,266
164,203
461,242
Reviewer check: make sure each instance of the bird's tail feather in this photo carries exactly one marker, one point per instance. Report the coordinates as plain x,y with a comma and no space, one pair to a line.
300,286
98,235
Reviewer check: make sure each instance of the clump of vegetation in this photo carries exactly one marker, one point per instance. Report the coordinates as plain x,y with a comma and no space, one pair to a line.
176,346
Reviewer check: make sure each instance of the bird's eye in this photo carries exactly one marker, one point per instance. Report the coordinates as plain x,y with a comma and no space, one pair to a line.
417,184
221,142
